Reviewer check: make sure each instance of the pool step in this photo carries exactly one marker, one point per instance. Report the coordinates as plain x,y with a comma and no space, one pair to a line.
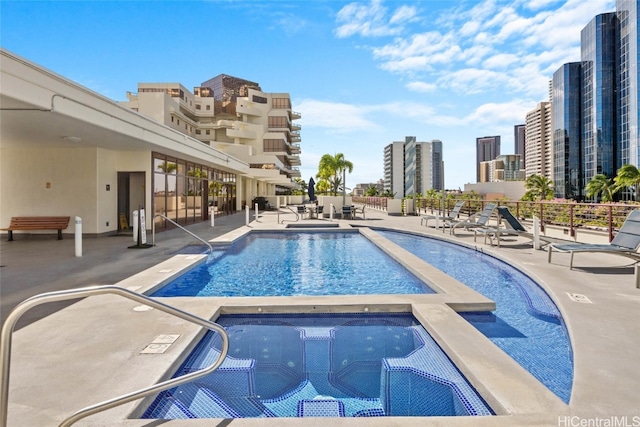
320,408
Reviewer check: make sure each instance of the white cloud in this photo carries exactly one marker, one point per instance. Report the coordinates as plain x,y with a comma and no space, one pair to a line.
513,45
501,60
421,87
511,112
335,117
403,14
372,20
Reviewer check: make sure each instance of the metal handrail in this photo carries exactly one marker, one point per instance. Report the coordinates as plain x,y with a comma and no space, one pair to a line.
20,309
153,231
294,212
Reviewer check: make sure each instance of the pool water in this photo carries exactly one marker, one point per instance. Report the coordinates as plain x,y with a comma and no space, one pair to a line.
346,365
526,324
285,264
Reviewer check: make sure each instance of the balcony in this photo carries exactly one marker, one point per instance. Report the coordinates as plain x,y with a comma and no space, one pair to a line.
242,131
248,108
294,160
294,115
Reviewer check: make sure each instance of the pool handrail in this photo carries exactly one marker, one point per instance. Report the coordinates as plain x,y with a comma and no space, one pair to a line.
20,309
294,212
153,231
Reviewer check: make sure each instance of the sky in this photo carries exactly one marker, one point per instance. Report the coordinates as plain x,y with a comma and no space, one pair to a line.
362,74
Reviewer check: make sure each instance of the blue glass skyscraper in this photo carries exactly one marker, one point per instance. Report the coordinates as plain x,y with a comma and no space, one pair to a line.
628,88
567,131
599,56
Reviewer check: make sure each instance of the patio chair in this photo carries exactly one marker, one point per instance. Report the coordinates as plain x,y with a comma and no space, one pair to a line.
513,227
625,243
347,212
452,216
479,220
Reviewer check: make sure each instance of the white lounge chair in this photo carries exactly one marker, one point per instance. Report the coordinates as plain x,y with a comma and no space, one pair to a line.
452,216
513,227
625,243
475,221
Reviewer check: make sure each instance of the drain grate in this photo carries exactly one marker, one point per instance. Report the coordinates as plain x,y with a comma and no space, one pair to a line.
579,298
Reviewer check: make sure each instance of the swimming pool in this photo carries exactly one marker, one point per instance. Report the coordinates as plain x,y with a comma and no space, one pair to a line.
526,324
300,263
347,365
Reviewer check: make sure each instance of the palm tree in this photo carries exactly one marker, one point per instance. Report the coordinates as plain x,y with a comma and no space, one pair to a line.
371,191
538,188
331,168
323,186
168,167
302,186
601,185
629,176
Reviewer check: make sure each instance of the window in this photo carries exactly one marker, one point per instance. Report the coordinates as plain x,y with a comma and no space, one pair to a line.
278,122
281,103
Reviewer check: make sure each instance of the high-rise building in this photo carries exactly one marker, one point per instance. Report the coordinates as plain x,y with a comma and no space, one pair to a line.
505,167
519,141
437,165
598,42
567,131
608,101
538,147
253,126
408,166
228,88
487,148
628,83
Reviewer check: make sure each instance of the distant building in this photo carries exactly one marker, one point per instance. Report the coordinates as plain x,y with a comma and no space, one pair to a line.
487,148
567,131
519,133
361,189
629,83
437,165
596,111
506,167
409,166
538,147
235,116
599,122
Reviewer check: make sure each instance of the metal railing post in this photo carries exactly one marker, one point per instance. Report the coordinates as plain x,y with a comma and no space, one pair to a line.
20,309
153,231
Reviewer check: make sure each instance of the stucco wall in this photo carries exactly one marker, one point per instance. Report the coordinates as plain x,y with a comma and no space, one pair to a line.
49,182
68,181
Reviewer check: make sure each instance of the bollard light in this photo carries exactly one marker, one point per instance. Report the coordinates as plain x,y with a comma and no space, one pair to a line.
78,236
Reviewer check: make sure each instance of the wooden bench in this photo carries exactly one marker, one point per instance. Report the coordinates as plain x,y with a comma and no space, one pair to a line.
37,223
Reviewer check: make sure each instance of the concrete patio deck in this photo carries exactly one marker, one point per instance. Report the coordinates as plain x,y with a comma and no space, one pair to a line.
67,357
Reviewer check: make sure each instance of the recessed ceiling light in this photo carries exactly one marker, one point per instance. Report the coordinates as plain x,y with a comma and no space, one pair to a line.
72,138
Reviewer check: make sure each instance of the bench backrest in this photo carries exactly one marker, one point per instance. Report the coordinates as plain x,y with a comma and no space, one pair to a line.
37,221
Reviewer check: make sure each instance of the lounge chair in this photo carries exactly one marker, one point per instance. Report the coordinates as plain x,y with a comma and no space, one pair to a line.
476,221
625,243
452,216
513,227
